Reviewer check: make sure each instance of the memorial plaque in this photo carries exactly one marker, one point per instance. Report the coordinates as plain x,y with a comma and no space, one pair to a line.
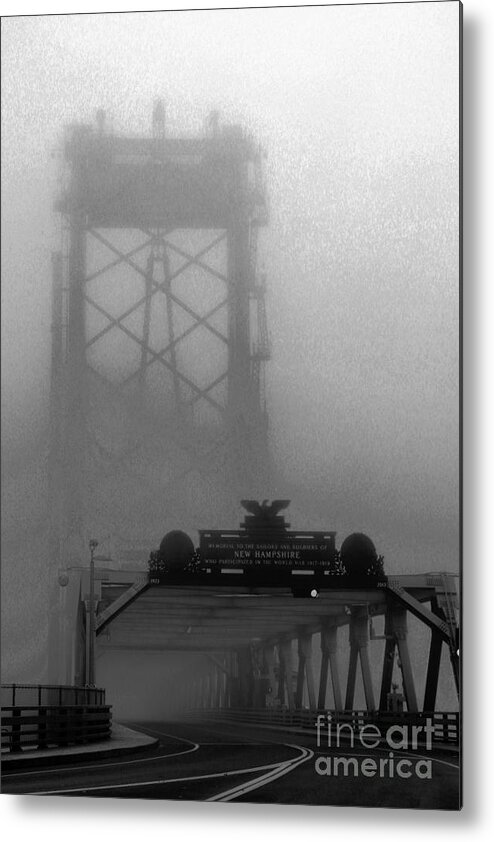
290,550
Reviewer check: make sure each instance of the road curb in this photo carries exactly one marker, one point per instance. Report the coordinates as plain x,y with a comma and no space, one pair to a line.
57,758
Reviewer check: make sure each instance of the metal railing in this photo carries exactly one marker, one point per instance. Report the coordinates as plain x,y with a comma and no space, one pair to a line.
49,694
48,716
446,725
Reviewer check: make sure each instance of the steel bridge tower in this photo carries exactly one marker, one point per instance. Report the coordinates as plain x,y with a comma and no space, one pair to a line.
158,416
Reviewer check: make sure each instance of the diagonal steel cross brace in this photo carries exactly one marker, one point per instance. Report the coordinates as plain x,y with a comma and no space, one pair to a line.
119,460
220,666
178,339
167,422
122,258
159,287
115,608
195,388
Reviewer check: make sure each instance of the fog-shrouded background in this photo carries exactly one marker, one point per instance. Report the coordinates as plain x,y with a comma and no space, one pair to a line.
357,108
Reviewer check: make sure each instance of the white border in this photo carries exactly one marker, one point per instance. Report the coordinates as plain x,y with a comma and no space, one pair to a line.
77,819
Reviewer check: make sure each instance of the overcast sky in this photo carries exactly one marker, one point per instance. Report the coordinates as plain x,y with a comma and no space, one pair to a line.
357,108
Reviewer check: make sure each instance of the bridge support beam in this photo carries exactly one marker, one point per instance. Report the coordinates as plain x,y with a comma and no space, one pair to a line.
306,643
388,662
246,678
305,672
351,677
212,688
227,679
202,692
216,676
269,659
223,677
359,640
225,682
226,687
286,662
433,667
323,674
433,664
329,657
299,691
280,695
77,665
400,630
220,684
233,685
207,691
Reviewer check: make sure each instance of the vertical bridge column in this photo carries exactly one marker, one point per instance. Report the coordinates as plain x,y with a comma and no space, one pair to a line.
269,655
229,678
400,630
217,677
388,661
246,678
305,672
224,676
281,676
196,698
234,698
210,690
286,671
434,663
359,640
204,691
329,648
221,677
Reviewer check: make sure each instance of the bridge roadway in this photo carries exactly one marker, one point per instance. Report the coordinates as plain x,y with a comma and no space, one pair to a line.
235,762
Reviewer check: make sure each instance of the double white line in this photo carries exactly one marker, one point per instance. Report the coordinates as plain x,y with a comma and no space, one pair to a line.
278,772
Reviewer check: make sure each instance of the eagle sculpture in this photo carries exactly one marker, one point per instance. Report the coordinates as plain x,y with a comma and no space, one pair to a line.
264,510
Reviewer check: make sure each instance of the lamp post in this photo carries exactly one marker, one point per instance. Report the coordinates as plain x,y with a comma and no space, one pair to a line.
90,625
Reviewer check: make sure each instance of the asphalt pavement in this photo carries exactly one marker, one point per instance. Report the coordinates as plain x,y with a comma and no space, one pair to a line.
226,761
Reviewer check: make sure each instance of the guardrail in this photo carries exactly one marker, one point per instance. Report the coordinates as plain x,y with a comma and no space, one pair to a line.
47,716
446,725
49,694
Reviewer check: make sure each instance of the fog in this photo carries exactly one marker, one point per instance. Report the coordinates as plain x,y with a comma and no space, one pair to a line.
357,108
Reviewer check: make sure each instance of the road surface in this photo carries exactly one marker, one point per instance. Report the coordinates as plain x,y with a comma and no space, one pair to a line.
213,761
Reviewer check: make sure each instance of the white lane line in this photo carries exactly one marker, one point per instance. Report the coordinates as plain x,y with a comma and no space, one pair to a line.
160,781
281,770
433,759
321,749
53,770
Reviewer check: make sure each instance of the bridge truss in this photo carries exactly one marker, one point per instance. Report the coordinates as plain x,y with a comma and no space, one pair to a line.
158,415
254,648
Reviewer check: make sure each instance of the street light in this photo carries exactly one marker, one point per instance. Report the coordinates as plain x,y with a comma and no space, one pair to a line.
90,637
